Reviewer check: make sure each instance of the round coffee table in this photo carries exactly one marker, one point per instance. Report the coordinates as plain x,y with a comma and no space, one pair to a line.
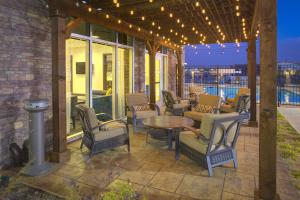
169,123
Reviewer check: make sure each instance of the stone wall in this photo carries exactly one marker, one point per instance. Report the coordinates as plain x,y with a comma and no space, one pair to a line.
139,66
25,69
172,62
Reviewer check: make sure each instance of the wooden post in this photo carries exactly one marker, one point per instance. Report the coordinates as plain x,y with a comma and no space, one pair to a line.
152,49
58,25
252,79
268,100
180,73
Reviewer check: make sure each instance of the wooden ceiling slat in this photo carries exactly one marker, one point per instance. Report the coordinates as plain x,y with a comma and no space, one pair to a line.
220,12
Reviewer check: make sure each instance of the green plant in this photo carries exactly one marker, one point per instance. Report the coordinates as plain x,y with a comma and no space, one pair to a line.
121,191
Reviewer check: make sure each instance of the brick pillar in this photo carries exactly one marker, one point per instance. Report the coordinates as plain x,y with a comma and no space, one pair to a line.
60,152
252,79
139,66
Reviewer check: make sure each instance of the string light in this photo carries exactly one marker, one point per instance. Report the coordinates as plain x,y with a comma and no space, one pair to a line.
131,12
162,8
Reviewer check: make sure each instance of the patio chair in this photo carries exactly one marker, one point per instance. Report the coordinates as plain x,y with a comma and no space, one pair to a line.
139,108
173,104
99,136
241,91
207,104
194,92
242,105
214,144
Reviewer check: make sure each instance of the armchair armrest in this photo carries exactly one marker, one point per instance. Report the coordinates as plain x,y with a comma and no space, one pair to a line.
197,133
103,115
156,107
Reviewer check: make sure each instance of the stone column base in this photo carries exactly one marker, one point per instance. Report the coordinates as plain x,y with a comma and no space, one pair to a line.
257,197
253,124
59,157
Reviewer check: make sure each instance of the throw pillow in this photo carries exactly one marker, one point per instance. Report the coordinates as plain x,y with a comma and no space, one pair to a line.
204,108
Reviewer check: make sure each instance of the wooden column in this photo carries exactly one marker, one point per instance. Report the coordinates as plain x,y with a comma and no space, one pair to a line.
268,100
152,49
179,73
58,25
252,79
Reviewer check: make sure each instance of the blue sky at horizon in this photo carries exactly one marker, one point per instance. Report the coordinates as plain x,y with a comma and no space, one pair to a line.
288,42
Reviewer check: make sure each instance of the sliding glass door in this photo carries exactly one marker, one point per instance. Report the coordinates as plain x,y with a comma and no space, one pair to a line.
123,78
77,85
103,85
160,75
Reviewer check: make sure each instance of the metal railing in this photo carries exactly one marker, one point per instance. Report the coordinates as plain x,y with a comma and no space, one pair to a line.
226,81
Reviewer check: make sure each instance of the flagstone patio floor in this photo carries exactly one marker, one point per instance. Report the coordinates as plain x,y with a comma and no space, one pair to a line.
155,173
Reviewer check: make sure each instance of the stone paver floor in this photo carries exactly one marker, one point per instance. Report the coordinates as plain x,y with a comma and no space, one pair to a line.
154,172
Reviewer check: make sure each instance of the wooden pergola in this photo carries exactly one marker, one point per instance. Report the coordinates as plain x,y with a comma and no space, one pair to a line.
173,24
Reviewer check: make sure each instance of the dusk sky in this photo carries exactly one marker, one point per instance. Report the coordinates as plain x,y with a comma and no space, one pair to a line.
288,42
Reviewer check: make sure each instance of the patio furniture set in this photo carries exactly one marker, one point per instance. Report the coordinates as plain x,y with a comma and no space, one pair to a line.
203,127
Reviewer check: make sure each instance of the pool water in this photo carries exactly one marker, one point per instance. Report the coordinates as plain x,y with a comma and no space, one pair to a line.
285,96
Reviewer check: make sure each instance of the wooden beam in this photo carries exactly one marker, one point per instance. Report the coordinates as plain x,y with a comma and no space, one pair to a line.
180,80
256,16
58,25
152,50
268,100
68,7
252,80
72,25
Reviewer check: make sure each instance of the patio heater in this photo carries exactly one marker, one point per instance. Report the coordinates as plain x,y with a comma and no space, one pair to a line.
37,164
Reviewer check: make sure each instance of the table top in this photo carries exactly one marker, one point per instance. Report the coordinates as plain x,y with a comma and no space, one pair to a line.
167,122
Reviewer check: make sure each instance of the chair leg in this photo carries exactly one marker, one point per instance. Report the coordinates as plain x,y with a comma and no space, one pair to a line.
147,134
128,145
235,164
177,147
81,145
134,125
209,167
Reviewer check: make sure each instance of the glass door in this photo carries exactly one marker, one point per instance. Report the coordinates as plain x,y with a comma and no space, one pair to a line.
160,69
103,85
124,78
77,85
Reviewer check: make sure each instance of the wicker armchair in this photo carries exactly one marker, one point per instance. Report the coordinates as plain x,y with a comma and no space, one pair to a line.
99,136
241,106
206,101
139,108
174,105
214,144
194,92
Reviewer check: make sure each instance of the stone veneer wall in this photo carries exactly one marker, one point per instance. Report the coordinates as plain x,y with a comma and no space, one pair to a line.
25,69
172,62
139,66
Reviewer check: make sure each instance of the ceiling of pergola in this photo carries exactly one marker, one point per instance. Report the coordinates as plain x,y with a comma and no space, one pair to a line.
222,26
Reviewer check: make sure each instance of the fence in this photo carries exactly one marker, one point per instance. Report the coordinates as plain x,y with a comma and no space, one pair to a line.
225,82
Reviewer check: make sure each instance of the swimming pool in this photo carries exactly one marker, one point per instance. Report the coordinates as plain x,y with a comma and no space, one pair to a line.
285,96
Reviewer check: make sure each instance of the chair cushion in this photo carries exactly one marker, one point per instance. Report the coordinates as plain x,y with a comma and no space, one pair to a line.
142,108
136,99
113,125
207,123
143,114
211,100
91,118
227,108
194,115
180,106
190,139
203,108
100,135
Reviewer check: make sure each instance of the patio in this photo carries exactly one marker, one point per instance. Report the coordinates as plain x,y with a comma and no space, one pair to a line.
153,171
150,167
